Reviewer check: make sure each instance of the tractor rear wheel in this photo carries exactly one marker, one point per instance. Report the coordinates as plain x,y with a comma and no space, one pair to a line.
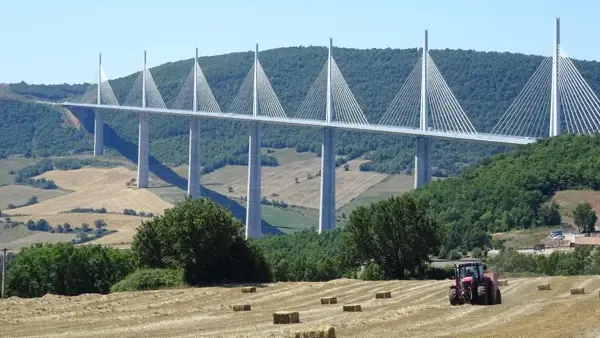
481,295
498,297
453,296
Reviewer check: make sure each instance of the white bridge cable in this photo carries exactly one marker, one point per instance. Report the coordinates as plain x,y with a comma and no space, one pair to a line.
268,102
405,108
153,98
243,100
527,114
581,105
107,95
346,108
205,99
449,109
314,105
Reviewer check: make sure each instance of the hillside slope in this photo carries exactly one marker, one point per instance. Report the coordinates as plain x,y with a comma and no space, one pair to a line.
484,83
510,190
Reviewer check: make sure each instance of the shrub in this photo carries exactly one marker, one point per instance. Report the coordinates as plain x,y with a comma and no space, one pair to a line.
150,279
372,271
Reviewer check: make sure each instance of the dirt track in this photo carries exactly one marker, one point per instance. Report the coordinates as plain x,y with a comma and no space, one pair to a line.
417,309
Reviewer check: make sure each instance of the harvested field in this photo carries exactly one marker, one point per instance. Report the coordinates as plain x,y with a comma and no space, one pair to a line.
279,182
94,188
418,309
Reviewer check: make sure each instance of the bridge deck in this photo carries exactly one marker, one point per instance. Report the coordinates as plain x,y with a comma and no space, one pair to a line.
478,137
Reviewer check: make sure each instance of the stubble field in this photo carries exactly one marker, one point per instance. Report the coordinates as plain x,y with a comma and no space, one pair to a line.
416,309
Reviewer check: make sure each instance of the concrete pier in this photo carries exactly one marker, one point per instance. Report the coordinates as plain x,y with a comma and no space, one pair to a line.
193,189
423,154
143,143
327,210
253,211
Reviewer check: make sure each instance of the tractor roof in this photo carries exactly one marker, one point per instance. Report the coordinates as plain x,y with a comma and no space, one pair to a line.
469,264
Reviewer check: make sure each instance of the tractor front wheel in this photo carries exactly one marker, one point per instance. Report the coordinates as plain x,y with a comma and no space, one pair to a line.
498,297
453,296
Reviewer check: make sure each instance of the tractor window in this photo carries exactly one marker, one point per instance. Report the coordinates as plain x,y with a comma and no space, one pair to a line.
468,271
480,270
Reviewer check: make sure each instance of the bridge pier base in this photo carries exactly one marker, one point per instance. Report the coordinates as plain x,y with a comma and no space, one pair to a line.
143,145
193,188
253,212
327,206
422,162
98,133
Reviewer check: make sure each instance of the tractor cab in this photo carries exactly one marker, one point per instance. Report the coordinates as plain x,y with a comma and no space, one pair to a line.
465,272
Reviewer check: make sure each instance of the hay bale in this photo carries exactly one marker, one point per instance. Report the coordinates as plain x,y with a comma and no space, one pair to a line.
383,295
328,332
543,287
329,300
286,317
352,308
577,291
241,307
503,282
249,289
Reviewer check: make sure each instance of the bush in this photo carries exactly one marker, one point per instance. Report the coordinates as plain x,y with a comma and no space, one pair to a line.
204,240
150,279
64,269
372,271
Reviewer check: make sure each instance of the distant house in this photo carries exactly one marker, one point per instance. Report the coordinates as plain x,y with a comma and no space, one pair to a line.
586,241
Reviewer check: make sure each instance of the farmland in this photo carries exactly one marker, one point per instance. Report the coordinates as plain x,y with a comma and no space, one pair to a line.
416,309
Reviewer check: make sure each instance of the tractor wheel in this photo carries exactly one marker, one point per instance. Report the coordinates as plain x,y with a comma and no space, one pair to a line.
481,295
498,297
453,296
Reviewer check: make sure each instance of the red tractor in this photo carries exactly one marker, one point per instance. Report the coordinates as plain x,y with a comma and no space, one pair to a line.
472,284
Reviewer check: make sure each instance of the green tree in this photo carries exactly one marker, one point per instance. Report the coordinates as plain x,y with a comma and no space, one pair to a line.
203,239
395,234
64,269
549,214
585,218
99,223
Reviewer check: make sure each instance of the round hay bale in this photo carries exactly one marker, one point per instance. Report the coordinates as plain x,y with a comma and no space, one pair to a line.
543,287
286,317
503,282
249,289
329,300
328,332
383,295
577,291
241,307
352,308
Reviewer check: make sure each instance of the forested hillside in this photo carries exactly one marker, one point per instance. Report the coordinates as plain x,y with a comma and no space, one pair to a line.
484,83
512,190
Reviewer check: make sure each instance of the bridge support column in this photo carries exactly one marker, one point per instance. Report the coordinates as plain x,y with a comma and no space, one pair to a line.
555,94
422,162
98,122
143,142
327,205
193,189
253,212
143,146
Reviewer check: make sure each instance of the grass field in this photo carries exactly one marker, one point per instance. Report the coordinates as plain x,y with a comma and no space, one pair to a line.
394,185
20,194
416,309
18,237
7,165
569,199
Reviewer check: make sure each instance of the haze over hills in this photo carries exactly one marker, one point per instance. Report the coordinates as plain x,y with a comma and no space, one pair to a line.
485,84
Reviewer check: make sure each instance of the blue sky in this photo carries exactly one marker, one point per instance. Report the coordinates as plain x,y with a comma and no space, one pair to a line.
58,41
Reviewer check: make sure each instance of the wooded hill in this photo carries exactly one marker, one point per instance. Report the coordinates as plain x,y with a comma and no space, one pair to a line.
485,84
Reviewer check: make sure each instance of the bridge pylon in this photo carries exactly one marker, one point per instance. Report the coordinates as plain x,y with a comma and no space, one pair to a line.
143,140
422,170
194,188
98,121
